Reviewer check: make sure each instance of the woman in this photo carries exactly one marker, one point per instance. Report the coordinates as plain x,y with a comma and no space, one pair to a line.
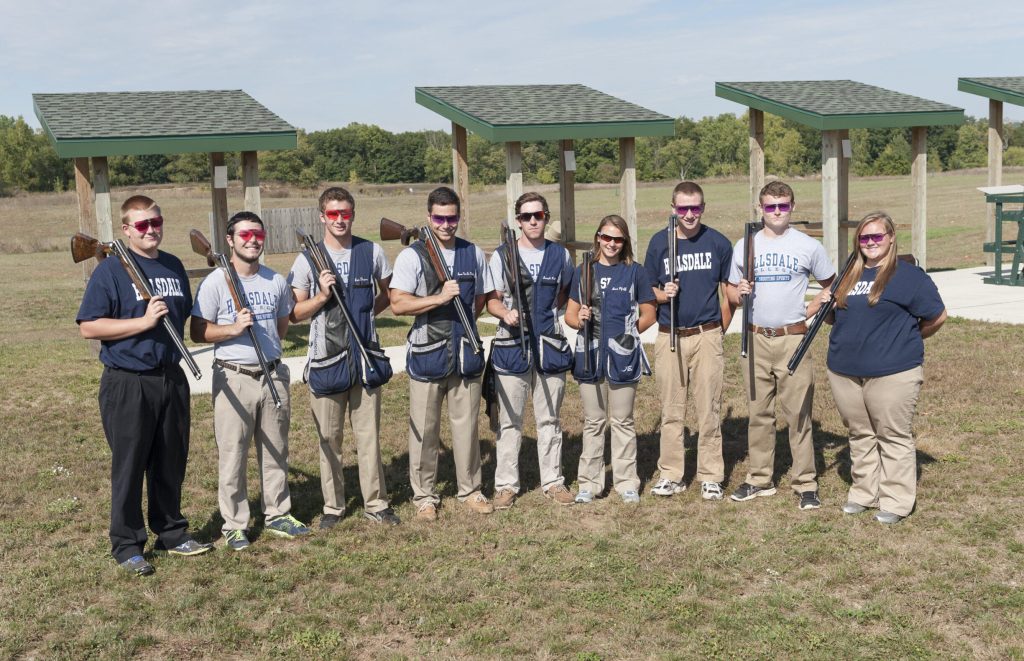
620,307
885,307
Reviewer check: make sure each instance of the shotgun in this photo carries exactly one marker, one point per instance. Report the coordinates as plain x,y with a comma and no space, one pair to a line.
508,237
749,230
586,293
819,316
672,220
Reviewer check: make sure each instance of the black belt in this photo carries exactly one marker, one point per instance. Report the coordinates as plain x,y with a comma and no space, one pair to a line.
694,330
256,373
156,371
799,328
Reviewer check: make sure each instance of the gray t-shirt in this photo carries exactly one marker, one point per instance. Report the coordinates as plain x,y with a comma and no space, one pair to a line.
781,269
269,298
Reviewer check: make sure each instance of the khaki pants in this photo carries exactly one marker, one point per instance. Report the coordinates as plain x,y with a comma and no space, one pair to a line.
425,401
513,391
794,394
364,414
696,366
883,458
242,410
605,403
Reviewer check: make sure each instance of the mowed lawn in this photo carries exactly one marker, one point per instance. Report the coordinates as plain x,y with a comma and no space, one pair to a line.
671,578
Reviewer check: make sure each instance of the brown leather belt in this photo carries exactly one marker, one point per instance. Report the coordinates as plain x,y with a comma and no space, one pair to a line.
256,373
799,328
695,330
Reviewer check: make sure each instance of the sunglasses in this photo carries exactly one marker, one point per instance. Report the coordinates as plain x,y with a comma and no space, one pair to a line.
339,214
438,219
608,238
696,209
142,226
876,238
249,235
525,216
784,207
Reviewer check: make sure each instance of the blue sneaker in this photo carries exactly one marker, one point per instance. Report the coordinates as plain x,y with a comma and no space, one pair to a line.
630,497
236,540
137,565
584,497
287,526
191,547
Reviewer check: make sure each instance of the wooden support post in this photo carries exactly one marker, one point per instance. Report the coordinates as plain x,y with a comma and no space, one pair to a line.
831,153
513,178
251,182
756,141
219,203
460,175
627,185
567,196
843,201
101,187
86,217
995,168
919,184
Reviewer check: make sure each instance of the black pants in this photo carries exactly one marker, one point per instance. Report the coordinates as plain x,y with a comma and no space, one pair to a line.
146,418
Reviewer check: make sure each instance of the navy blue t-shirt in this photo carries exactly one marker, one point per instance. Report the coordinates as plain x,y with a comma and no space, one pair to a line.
884,339
702,262
110,294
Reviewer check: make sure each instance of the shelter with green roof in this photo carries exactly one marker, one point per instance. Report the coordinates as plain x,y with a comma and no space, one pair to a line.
513,114
834,107
95,125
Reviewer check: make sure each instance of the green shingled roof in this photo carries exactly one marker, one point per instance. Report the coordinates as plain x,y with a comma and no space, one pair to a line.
1010,90
115,123
509,113
830,105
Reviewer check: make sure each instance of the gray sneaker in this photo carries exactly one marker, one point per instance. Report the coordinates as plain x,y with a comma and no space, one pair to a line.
236,540
630,497
286,526
854,508
584,497
711,491
137,566
191,547
749,492
386,515
888,518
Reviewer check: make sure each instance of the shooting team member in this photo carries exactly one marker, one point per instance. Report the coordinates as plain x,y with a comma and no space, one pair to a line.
336,376
545,273
784,259
243,408
621,308
440,362
143,397
885,308
703,260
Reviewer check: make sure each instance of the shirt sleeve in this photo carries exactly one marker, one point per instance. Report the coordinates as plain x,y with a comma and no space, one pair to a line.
644,289
574,284
926,303
381,267
99,300
300,277
496,273
736,270
652,262
725,254
285,301
207,303
407,274
483,282
821,265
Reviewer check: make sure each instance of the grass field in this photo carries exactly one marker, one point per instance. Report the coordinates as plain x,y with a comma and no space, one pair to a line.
674,578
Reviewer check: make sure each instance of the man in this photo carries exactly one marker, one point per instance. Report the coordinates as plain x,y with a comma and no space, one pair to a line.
544,272
440,360
703,260
784,258
143,397
243,407
360,268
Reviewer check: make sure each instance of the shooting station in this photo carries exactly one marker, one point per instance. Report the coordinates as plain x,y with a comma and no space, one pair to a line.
999,91
90,127
834,107
513,114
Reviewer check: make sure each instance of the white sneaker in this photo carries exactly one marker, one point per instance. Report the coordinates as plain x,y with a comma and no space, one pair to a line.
711,491
666,487
584,497
630,497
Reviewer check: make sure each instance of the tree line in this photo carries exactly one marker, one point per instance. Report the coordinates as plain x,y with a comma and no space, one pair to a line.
707,147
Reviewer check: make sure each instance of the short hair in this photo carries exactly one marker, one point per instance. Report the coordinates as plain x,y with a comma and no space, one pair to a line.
619,223
777,189
137,203
241,217
688,188
442,197
336,194
532,197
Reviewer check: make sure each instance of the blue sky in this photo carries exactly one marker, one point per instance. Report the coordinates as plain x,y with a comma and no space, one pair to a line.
324,65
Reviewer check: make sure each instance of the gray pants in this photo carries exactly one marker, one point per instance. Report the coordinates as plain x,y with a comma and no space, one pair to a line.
607,405
513,393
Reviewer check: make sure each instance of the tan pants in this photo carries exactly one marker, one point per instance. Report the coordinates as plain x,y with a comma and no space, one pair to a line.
794,394
607,405
242,410
696,366
879,412
425,401
513,392
364,414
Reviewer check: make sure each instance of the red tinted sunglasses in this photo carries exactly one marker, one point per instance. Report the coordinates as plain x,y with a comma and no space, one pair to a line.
249,235
142,226
339,214
617,240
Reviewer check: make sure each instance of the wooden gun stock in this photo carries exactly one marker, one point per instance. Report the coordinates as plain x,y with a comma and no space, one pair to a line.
390,230
85,247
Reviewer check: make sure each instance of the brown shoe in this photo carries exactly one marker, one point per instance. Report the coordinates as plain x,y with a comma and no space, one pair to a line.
427,512
560,495
479,504
504,499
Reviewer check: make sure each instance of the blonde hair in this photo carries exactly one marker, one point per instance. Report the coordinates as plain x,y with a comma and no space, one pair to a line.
886,267
616,221
137,203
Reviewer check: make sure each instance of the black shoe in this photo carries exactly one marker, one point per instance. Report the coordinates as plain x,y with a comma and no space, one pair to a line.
749,491
328,521
387,516
187,548
809,500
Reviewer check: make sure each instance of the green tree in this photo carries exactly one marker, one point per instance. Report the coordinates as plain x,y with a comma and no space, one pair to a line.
895,157
27,159
971,146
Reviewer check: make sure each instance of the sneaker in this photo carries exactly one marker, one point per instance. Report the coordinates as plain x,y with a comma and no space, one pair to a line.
560,495
853,508
749,491
584,497
386,515
427,512
236,540
191,547
504,499
809,500
630,497
711,491
479,504
888,517
137,565
328,521
286,526
666,487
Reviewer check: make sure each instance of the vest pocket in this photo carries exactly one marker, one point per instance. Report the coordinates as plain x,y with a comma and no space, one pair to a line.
382,371
471,364
429,362
507,356
328,376
625,359
555,355
578,360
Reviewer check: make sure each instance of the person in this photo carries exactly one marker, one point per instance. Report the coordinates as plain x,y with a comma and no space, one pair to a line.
545,272
143,396
439,359
243,407
621,307
703,260
885,308
337,380
784,260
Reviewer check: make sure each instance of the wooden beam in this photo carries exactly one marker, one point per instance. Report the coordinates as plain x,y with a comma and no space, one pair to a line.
756,142
567,197
843,202
86,217
460,175
101,188
219,204
513,178
995,168
627,185
831,154
251,182
919,184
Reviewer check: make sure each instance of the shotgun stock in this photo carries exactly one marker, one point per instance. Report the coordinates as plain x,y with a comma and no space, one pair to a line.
508,237
390,230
